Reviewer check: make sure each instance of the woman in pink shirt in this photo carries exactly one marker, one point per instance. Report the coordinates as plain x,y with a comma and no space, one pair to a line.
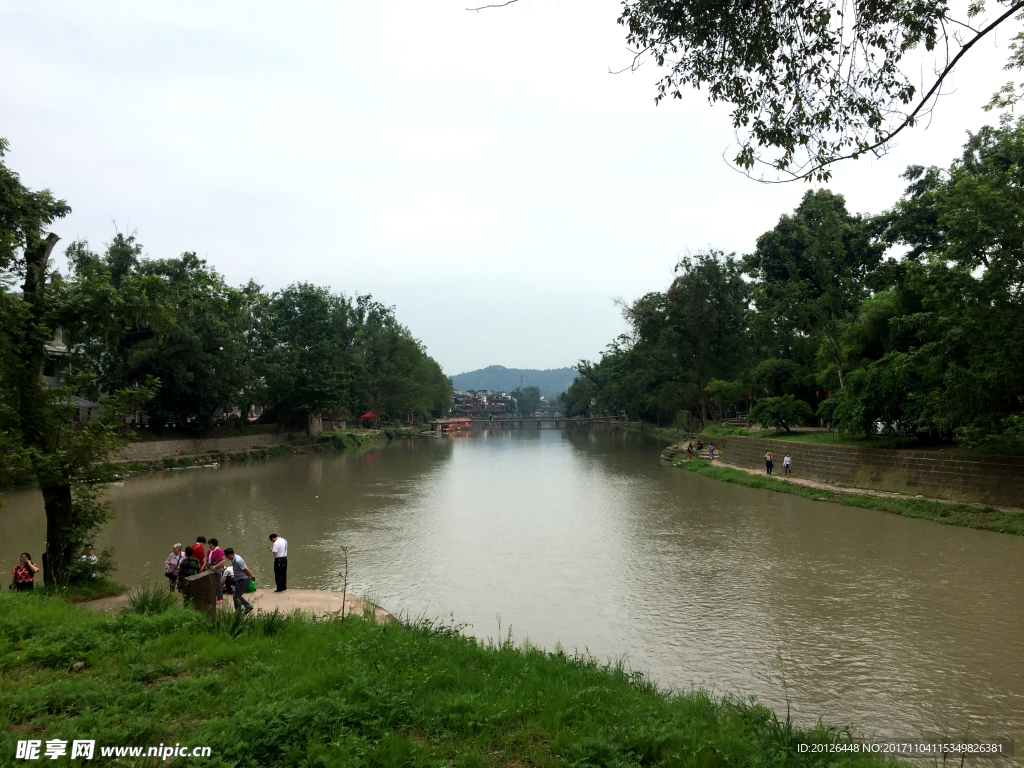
215,562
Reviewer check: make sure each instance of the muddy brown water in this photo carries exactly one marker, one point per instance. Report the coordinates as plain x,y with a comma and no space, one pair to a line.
583,538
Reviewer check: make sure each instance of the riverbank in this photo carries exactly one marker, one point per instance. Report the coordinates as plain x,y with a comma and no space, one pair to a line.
950,513
356,692
312,602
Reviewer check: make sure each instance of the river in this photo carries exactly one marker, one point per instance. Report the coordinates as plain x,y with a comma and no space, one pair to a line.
583,538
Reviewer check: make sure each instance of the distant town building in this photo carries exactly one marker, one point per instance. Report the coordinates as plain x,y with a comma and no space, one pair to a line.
480,403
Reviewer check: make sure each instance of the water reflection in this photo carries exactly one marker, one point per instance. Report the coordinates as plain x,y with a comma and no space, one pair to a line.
900,626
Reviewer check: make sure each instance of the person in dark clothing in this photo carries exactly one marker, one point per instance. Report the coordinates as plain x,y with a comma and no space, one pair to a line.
189,566
279,547
768,464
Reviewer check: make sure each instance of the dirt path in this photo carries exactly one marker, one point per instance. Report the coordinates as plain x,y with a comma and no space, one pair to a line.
318,602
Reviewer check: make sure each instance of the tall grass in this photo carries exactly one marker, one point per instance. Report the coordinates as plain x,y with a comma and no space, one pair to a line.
150,599
277,690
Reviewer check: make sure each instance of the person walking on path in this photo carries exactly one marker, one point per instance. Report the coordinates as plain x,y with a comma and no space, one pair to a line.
25,574
279,546
768,462
171,565
241,575
787,464
189,566
711,451
199,551
215,562
689,449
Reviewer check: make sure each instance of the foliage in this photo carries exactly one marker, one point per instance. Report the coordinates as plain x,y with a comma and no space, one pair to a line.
526,400
780,412
680,341
927,347
809,82
171,319
353,692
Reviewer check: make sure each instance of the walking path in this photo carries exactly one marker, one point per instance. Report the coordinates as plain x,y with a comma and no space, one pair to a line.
318,602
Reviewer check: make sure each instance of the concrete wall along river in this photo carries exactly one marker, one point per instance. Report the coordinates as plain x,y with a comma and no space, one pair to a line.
964,477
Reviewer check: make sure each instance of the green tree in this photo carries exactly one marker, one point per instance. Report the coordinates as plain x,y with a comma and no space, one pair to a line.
812,270
172,319
781,412
527,400
68,460
305,354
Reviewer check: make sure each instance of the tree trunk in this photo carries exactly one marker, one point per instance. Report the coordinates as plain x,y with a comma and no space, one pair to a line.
36,424
59,547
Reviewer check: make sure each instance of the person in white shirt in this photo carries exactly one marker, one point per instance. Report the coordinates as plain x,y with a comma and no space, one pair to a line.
280,549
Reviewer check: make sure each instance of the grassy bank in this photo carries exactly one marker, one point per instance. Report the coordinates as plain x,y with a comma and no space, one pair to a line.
282,691
982,518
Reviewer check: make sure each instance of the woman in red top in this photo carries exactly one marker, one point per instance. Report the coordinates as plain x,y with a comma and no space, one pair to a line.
199,551
25,573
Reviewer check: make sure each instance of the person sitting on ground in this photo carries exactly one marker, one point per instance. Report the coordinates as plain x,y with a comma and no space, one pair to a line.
199,551
90,559
171,565
227,582
189,566
215,562
25,574
700,446
242,575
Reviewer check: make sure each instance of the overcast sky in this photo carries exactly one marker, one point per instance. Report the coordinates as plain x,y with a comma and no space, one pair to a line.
482,172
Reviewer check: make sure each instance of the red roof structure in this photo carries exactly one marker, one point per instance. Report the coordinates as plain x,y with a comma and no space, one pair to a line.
367,415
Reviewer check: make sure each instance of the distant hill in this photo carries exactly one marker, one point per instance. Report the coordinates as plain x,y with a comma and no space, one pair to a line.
551,381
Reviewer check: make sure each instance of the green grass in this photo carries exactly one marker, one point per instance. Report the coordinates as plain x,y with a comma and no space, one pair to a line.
277,690
87,589
965,515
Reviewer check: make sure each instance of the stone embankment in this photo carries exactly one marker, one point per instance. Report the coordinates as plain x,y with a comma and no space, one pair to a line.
964,477
154,450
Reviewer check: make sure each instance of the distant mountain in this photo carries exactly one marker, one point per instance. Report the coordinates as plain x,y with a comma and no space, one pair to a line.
551,381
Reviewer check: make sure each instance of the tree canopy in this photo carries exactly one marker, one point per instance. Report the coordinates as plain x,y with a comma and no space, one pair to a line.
927,346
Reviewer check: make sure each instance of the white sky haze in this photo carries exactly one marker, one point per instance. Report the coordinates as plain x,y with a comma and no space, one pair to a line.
482,172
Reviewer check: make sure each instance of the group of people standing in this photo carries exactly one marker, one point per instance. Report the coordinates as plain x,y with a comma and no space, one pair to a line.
231,573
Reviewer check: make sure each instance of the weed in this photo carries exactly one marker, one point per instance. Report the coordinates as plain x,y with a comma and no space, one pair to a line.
150,599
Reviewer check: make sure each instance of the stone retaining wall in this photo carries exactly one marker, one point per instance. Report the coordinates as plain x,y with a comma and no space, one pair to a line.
956,476
158,449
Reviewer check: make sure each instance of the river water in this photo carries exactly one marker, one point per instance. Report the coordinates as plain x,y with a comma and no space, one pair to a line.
894,626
